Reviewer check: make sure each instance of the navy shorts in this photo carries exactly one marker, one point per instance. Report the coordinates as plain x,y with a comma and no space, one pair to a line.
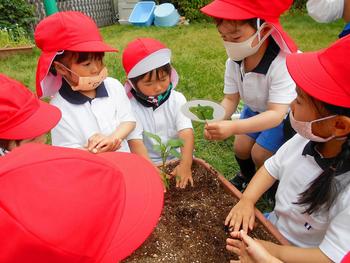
271,139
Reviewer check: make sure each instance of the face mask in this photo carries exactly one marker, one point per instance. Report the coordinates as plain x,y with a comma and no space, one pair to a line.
89,83
155,100
304,129
239,51
325,11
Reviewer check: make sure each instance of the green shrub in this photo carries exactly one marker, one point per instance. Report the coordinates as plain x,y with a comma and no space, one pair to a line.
7,41
299,4
191,9
16,17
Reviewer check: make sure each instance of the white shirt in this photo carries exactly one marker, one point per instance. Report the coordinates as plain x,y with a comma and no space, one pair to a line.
165,121
269,82
330,231
81,119
325,11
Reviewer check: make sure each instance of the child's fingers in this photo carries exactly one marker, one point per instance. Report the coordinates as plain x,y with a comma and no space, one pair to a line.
191,181
251,222
247,239
235,234
237,223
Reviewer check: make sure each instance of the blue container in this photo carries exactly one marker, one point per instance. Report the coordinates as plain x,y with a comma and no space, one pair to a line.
166,15
142,14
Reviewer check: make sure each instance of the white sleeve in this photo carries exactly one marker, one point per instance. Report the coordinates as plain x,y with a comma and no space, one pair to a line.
232,75
124,112
325,11
273,164
182,122
137,133
282,87
336,242
66,136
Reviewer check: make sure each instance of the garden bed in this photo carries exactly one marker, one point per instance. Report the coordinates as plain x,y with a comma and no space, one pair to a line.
191,227
6,52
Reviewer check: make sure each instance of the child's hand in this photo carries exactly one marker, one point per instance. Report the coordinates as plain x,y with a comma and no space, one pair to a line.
183,175
242,214
219,130
249,250
99,143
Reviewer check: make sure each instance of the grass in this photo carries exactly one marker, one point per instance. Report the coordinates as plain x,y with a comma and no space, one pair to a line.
199,58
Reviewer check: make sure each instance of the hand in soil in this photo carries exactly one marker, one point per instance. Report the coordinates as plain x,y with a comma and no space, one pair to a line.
183,175
241,216
99,143
249,250
219,130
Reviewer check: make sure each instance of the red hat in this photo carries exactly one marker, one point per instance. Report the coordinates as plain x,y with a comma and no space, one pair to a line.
324,74
22,114
346,259
268,10
145,54
61,31
67,205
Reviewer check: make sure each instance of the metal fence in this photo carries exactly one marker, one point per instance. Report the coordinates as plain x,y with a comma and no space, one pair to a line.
102,11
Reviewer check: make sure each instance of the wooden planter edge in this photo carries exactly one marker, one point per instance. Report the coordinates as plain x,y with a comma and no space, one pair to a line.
5,52
236,193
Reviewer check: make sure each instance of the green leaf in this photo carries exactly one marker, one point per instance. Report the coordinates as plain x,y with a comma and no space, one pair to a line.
153,136
175,143
175,153
157,148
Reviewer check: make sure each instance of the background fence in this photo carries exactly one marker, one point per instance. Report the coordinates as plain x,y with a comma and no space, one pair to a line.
102,11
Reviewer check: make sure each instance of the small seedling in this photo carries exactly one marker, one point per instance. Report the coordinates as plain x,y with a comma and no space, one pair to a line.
203,112
165,150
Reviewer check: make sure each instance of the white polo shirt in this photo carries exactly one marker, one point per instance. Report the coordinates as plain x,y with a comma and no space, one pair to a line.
82,117
296,169
269,82
165,121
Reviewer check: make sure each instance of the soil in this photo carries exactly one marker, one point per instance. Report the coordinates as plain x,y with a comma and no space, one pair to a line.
191,228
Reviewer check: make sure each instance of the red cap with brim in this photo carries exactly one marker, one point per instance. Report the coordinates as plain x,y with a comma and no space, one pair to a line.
68,205
324,74
22,114
61,31
268,10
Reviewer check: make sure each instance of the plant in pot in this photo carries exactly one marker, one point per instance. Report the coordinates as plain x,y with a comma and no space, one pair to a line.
191,228
165,150
16,21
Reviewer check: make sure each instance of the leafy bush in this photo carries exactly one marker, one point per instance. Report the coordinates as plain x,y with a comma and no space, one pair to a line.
299,4
16,17
7,41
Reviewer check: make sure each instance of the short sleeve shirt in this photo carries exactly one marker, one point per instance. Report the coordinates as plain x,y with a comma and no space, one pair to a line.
328,230
82,117
165,121
269,82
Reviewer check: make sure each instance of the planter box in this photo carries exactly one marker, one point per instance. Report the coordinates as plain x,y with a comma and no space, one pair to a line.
191,228
6,52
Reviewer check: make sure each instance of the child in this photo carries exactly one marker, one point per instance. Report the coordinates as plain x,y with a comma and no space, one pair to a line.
96,112
151,85
67,205
255,73
23,118
313,197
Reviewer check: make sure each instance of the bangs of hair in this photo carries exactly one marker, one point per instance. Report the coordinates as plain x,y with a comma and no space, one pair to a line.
148,75
84,56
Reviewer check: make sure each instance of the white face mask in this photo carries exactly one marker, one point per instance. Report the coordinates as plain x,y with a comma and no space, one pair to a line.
304,129
325,11
89,83
239,51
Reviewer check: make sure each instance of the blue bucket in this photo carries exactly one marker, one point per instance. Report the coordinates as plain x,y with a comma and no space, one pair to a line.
166,15
142,14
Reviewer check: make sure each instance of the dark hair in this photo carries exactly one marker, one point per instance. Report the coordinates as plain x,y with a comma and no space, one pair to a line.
80,57
324,190
166,68
5,143
251,22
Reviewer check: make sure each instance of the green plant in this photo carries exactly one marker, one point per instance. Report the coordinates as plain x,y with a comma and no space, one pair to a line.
165,150
299,4
16,17
191,9
7,41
